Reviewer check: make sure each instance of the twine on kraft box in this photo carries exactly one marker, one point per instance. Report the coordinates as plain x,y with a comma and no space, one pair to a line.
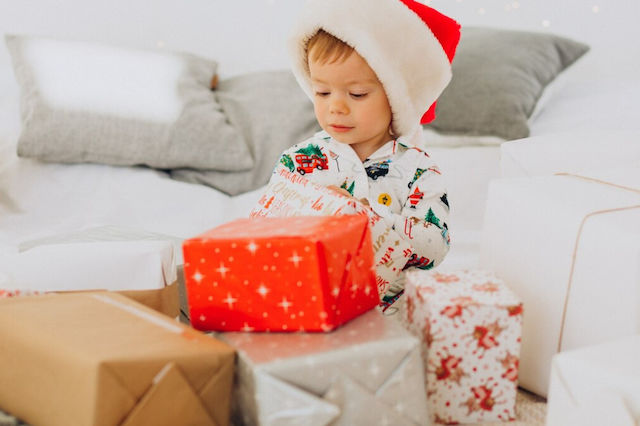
575,247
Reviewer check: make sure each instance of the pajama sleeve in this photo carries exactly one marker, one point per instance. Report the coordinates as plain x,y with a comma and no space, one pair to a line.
422,222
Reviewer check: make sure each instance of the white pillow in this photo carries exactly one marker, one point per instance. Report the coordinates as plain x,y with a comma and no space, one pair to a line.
579,152
89,102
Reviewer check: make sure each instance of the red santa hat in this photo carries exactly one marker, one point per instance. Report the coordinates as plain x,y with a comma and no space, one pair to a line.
409,46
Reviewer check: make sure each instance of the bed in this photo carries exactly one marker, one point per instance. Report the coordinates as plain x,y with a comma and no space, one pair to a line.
591,95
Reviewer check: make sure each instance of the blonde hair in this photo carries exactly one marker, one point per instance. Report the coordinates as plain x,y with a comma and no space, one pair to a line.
324,47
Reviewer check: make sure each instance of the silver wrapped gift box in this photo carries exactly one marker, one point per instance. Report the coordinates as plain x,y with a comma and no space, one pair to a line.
367,372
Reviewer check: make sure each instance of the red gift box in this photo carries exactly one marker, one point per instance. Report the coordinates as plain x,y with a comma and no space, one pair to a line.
280,274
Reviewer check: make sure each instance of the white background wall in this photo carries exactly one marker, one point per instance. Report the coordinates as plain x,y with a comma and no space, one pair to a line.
596,22
247,35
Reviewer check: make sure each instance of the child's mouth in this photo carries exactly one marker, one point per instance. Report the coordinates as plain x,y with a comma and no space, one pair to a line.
338,128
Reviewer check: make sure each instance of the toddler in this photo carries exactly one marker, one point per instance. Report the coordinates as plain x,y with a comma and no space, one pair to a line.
374,69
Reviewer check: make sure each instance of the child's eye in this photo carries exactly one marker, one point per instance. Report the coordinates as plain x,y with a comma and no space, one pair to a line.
358,95
322,94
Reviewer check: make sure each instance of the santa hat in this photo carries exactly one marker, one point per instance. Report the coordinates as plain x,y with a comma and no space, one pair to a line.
409,46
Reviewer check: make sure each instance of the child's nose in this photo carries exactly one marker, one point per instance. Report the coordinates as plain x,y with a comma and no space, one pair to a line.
338,106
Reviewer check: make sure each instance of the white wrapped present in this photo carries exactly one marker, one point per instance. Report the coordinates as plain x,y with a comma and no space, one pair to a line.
596,385
367,372
138,264
289,194
469,323
574,152
569,246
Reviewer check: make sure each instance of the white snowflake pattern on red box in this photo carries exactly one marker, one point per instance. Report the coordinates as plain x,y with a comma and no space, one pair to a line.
470,326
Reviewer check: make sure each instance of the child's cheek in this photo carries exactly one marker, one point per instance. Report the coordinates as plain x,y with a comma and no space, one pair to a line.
317,109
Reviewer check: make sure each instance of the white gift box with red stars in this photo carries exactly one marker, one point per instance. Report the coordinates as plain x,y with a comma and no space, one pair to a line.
470,325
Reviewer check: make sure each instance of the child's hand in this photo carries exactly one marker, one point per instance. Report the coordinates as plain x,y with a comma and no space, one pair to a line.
340,191
346,193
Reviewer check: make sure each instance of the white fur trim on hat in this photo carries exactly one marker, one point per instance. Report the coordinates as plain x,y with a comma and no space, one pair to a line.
399,47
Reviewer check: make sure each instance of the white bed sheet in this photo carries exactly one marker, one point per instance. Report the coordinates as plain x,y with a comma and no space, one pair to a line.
52,199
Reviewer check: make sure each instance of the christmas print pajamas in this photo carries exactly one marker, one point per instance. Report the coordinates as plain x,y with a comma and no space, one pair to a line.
405,191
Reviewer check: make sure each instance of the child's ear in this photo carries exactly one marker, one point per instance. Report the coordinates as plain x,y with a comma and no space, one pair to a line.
213,84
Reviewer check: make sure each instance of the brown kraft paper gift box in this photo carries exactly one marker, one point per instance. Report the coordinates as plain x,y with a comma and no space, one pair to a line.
102,359
165,300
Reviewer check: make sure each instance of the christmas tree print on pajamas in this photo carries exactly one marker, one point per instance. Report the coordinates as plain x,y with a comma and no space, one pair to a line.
403,187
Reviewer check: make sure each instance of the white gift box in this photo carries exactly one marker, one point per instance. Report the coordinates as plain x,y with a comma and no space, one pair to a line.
573,152
570,248
141,265
596,385
367,372
469,323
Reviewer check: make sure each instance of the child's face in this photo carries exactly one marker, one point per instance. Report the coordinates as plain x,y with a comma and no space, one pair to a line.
350,103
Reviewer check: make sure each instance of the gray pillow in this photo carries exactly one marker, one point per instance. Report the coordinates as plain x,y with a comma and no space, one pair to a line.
87,102
498,77
273,113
